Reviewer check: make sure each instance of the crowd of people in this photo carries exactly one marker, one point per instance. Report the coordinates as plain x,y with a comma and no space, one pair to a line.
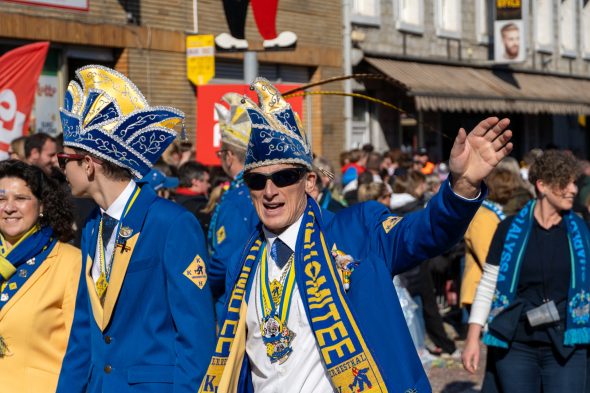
123,260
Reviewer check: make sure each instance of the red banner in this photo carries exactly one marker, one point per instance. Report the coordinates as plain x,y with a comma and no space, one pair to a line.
208,138
19,73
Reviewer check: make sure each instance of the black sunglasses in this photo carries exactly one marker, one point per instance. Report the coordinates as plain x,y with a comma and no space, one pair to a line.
282,178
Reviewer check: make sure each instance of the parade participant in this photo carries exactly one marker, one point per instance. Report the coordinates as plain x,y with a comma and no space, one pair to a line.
145,319
534,293
39,277
234,219
312,307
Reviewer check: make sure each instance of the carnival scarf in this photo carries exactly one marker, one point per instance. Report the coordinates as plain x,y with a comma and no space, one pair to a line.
578,311
494,208
340,342
18,263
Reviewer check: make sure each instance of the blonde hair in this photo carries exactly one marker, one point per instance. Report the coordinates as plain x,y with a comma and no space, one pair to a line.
371,191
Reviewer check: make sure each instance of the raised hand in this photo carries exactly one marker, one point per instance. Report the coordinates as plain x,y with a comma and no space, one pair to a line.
476,154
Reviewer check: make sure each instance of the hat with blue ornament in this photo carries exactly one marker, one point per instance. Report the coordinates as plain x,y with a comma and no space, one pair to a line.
108,117
277,136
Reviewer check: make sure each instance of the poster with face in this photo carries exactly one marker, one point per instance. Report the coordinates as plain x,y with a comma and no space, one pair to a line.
509,44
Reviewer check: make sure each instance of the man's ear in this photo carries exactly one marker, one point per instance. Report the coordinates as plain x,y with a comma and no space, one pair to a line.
89,166
310,180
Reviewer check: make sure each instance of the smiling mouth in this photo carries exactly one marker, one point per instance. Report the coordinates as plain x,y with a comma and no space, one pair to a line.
273,206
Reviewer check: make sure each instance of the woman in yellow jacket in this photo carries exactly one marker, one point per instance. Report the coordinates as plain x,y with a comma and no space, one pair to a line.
503,188
39,277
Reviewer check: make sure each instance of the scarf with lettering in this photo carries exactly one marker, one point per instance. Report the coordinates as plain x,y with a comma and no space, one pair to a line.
341,345
578,310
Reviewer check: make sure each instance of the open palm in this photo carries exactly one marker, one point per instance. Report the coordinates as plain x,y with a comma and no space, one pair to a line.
476,154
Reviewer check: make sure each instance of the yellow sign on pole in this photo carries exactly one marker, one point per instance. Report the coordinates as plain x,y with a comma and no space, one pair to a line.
200,58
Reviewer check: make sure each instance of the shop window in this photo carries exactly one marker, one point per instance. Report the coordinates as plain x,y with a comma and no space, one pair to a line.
543,11
448,18
567,28
409,15
585,28
366,12
482,34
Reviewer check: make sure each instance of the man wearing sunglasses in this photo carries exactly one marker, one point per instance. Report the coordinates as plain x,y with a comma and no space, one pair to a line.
144,313
311,306
234,218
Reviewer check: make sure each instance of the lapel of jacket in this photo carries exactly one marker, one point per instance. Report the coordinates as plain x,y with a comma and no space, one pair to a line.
31,281
89,236
133,221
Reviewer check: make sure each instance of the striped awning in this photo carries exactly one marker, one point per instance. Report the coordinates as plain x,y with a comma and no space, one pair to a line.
438,87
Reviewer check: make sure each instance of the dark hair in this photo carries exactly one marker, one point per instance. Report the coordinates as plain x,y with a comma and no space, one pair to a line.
36,141
190,170
110,170
56,201
555,168
409,182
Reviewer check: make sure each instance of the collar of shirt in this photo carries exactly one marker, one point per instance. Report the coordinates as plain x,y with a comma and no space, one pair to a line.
288,236
117,207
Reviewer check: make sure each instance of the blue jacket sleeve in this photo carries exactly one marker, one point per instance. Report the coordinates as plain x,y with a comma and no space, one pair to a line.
426,233
190,302
75,368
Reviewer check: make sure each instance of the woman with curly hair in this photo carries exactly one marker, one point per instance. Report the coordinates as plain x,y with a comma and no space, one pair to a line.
39,276
534,293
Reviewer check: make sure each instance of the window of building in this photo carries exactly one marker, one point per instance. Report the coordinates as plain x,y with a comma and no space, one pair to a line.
567,28
585,28
366,12
409,15
448,18
543,11
482,34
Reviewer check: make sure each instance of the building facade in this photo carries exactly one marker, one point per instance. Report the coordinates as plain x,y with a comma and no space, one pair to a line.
437,61
145,39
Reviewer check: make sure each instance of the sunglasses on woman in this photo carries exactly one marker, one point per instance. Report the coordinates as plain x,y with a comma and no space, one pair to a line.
282,178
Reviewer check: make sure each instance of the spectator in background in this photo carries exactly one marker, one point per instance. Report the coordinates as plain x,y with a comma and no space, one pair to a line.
327,196
408,193
16,150
352,170
523,193
351,195
422,162
193,189
162,184
527,161
376,191
373,166
187,152
41,151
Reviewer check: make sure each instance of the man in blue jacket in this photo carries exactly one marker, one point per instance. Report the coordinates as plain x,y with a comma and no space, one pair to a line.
311,306
234,218
144,314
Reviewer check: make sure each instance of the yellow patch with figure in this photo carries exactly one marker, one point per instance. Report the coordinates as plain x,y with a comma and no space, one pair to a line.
220,235
390,222
197,272
12,286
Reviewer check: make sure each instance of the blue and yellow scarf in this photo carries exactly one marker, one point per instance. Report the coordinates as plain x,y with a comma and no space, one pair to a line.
578,311
342,347
19,262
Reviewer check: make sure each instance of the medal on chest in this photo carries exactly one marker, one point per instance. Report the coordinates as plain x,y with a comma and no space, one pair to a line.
275,299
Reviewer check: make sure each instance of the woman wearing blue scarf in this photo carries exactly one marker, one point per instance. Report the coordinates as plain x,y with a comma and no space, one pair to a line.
38,278
535,291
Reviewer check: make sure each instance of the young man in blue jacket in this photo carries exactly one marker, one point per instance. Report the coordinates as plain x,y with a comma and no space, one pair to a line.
144,314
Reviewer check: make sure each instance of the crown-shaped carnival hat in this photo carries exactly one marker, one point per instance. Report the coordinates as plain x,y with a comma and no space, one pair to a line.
277,136
110,118
234,122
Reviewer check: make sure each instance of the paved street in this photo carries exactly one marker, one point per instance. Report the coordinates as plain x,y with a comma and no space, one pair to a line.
448,376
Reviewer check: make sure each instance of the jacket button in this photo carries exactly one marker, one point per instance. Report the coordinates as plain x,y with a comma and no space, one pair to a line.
107,339
108,369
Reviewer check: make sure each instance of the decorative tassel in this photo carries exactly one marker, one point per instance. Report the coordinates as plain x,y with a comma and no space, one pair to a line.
183,137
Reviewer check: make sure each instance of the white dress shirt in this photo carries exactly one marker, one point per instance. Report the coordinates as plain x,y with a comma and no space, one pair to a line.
115,211
304,370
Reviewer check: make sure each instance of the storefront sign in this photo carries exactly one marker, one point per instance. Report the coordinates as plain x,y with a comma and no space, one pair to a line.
208,140
200,59
509,32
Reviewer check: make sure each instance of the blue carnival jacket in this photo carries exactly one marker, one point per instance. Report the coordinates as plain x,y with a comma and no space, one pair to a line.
385,246
156,330
236,219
